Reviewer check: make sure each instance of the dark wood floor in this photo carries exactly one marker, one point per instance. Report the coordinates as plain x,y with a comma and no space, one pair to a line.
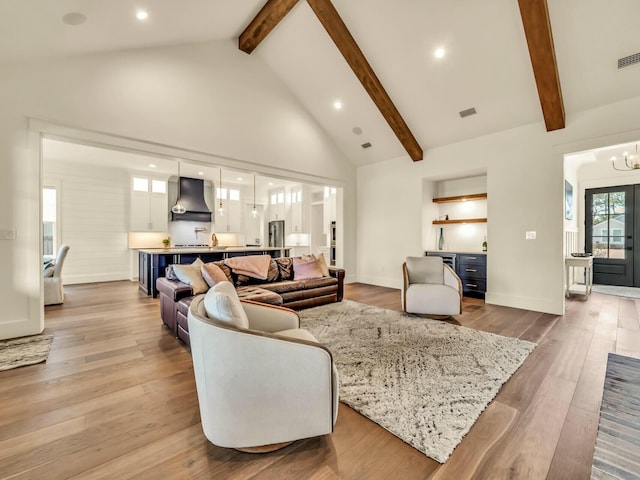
116,399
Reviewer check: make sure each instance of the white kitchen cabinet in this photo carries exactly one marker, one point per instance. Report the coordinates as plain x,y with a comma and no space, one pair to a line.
329,210
149,210
299,213
277,206
232,219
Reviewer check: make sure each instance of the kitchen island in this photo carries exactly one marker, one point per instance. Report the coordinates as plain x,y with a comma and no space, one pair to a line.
152,262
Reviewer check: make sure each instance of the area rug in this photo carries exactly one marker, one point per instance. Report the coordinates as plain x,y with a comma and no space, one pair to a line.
631,292
19,352
426,381
617,453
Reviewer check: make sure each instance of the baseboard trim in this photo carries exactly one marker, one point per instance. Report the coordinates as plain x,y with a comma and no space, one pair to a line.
381,281
543,305
95,278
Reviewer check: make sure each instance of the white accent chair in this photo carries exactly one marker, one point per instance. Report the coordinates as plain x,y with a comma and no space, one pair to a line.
262,381
53,290
430,287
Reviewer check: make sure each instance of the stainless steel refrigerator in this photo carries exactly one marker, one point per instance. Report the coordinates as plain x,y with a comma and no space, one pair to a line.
276,234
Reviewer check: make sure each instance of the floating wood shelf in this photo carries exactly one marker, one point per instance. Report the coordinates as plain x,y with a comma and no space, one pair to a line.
460,220
461,198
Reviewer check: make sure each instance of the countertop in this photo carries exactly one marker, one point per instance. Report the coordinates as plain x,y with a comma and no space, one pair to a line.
180,250
466,252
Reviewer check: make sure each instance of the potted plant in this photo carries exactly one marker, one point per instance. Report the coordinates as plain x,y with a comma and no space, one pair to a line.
165,242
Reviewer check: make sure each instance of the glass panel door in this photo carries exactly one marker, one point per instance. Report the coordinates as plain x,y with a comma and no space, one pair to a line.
609,234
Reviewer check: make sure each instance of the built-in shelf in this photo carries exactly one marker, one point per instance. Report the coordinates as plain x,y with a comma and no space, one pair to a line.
460,220
461,198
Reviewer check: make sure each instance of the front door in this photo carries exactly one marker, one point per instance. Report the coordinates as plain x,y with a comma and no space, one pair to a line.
609,229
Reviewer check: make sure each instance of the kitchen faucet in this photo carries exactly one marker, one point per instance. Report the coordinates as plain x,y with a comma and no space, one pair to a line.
198,230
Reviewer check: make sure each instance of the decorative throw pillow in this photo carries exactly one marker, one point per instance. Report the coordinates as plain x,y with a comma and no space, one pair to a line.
48,270
322,265
191,275
222,303
274,272
305,269
212,274
170,274
285,268
226,270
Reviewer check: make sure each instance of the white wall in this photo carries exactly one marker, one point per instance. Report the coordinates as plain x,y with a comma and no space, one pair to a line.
208,99
94,219
525,186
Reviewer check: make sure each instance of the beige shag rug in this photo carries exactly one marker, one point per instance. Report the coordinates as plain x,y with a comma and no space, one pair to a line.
19,352
426,381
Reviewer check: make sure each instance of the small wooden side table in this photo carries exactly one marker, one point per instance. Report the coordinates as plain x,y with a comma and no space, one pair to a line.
581,262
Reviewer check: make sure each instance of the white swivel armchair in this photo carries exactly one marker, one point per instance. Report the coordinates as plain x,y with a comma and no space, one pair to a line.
430,287
262,381
53,290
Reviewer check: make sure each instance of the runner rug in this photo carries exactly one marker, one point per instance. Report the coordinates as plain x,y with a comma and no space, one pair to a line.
617,453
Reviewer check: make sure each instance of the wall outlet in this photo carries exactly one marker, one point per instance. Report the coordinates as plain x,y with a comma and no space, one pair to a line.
530,235
7,233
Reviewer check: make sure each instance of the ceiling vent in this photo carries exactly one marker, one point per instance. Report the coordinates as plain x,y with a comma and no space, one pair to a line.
630,60
467,112
366,145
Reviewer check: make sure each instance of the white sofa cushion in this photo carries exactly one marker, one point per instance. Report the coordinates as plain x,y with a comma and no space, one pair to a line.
221,303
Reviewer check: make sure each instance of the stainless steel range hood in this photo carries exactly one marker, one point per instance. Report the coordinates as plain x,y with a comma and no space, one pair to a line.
191,192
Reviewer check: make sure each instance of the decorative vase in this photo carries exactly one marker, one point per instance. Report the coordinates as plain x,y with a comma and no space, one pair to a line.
441,239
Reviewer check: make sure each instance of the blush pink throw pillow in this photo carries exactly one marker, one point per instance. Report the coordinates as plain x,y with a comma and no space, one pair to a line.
212,274
305,269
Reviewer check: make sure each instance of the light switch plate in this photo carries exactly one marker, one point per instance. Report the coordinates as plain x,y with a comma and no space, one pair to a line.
7,233
530,235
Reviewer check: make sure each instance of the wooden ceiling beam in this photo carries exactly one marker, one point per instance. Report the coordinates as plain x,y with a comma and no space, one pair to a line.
337,30
537,29
265,21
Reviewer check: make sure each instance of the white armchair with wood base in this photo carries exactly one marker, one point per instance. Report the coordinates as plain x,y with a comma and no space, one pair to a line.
262,381
52,282
430,287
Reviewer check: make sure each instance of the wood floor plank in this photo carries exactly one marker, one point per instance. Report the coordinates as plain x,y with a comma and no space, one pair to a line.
117,400
574,454
492,426
528,449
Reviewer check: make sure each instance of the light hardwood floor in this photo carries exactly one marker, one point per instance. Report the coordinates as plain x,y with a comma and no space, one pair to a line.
116,399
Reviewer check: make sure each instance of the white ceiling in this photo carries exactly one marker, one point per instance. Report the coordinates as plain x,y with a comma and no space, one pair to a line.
486,66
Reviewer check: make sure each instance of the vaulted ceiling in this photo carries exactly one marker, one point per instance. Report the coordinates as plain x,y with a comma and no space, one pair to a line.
486,63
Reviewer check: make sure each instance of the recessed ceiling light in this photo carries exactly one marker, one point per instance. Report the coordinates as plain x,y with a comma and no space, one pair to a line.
439,53
201,173
142,15
337,105
152,165
239,179
357,131
271,184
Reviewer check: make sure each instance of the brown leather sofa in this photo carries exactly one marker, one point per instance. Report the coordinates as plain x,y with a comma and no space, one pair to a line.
176,297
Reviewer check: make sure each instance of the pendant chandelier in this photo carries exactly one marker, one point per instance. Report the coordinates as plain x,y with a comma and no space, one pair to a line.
631,162
220,207
178,207
254,212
